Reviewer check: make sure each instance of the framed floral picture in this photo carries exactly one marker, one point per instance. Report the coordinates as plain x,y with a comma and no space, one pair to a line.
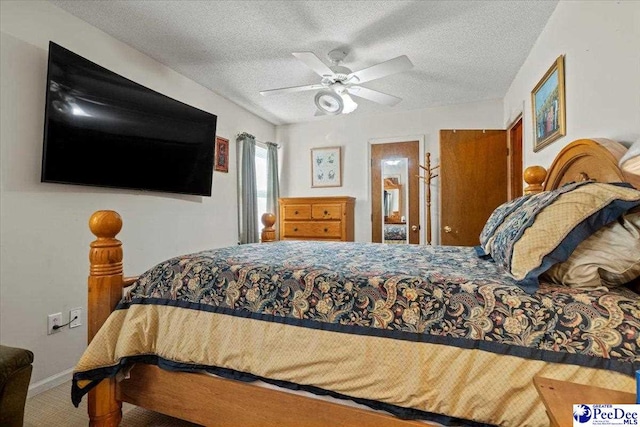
548,106
222,155
326,167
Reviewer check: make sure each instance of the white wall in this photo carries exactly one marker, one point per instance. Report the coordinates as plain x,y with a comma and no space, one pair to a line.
354,132
44,234
601,44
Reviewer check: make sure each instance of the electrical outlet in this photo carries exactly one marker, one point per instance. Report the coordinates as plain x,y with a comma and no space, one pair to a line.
53,320
77,314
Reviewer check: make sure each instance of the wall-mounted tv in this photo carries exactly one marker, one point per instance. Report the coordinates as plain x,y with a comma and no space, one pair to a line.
102,129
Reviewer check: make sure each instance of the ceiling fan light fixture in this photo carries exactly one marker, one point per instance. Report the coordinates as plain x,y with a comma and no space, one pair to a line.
329,102
349,104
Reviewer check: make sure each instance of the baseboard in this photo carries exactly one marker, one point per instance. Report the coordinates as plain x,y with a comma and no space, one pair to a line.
50,382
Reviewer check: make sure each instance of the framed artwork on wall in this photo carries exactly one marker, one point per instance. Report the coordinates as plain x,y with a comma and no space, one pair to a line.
548,106
222,154
326,167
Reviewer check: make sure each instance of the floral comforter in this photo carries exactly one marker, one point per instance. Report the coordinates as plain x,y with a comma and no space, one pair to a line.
444,293
395,232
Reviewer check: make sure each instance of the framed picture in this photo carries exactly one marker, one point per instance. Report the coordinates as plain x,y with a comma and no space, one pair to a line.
548,105
326,167
222,154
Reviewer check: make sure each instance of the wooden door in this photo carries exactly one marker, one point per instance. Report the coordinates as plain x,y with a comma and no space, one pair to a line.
473,174
379,152
515,159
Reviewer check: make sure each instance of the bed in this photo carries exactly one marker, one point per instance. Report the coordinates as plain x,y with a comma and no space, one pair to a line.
428,334
395,233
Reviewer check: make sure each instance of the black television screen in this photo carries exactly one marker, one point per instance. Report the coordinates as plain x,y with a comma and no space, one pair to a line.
105,130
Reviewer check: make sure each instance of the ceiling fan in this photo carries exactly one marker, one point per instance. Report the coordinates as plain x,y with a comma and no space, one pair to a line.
339,82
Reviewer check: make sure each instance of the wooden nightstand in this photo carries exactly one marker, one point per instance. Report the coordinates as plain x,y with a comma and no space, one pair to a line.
560,396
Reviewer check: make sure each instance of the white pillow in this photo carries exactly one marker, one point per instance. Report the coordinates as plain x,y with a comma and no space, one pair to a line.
610,257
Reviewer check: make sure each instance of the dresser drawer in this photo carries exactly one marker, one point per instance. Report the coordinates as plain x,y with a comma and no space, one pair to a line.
326,212
319,230
297,212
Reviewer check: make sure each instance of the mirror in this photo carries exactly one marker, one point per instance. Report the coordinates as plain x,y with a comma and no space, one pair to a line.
391,201
394,200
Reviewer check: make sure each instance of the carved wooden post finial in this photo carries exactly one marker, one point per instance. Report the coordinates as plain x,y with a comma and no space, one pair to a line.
106,251
534,176
268,232
105,224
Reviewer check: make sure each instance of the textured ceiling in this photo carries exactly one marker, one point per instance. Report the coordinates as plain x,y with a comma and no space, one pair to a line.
463,51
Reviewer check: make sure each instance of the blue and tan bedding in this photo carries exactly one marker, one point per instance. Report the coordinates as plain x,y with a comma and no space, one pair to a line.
395,233
530,235
417,330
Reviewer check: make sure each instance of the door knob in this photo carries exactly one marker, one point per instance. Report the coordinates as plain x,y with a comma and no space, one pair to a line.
415,227
447,229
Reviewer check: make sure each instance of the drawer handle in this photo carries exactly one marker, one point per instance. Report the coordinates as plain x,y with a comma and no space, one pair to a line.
295,212
326,230
295,229
326,212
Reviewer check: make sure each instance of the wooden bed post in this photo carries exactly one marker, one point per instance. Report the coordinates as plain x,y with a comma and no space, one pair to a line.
534,176
268,232
105,291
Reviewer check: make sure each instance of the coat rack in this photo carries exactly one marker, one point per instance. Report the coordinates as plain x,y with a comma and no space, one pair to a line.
427,180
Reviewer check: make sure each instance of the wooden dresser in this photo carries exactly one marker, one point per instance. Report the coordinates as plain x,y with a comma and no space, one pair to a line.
317,218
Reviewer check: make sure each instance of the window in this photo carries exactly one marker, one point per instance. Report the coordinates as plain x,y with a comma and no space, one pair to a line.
261,180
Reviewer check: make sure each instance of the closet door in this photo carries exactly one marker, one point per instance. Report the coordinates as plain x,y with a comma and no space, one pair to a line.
473,174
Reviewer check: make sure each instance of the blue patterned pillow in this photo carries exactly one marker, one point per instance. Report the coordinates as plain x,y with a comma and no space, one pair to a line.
501,247
550,225
495,220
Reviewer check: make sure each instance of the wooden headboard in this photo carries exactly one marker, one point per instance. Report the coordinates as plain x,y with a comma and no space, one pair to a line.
581,160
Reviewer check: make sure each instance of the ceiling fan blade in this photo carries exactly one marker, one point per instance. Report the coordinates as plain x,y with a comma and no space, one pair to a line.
374,95
291,89
392,66
312,61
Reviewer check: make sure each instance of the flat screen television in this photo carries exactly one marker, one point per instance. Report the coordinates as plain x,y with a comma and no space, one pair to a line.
102,129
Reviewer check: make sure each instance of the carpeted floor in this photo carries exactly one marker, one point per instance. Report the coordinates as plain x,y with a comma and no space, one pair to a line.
54,408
